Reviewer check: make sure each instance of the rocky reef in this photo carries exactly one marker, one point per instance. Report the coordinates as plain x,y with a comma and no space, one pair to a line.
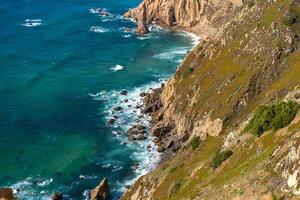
250,58
204,18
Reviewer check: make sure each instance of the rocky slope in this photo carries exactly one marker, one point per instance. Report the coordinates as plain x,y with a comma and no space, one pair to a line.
205,18
254,60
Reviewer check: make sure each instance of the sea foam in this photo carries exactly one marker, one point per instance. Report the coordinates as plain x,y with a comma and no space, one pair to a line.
98,29
32,22
117,68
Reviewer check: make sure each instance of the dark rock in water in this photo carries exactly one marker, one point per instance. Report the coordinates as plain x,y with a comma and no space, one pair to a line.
125,100
124,92
57,196
118,108
116,117
101,192
142,94
6,194
127,186
111,121
149,146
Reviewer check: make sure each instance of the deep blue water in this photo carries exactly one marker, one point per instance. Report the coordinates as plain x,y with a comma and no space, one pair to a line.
53,131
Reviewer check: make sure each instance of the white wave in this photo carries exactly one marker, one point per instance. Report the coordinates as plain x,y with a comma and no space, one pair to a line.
193,37
100,11
30,188
87,177
126,36
32,22
172,54
117,68
147,158
98,29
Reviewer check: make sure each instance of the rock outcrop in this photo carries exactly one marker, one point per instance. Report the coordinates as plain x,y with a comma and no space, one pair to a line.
101,192
6,194
202,17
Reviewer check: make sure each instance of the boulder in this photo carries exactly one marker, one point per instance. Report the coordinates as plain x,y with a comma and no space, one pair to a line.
111,121
101,192
142,94
57,196
118,108
124,92
6,194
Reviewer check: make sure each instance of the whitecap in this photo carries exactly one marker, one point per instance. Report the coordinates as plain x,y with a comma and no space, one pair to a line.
32,22
172,54
43,183
117,68
126,36
98,29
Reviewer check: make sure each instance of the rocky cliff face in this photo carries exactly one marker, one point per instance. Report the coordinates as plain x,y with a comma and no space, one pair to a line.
252,61
203,17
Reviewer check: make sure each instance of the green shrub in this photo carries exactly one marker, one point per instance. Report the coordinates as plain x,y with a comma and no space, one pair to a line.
220,157
174,187
187,72
272,117
289,20
172,169
195,141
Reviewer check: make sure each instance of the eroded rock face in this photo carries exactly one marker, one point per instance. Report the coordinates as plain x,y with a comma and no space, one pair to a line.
198,16
101,192
6,194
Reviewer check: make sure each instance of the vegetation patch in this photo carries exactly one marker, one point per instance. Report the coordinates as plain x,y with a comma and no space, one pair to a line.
187,72
195,141
174,188
172,169
272,117
220,157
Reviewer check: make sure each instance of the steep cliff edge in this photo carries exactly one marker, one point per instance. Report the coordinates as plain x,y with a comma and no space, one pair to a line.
253,61
204,18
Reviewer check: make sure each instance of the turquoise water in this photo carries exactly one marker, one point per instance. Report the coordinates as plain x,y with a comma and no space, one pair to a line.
57,88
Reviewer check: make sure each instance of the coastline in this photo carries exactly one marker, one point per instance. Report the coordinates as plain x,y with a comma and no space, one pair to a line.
136,101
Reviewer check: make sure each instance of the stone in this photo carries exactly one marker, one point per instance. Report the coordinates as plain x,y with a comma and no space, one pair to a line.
142,94
111,121
6,194
101,192
124,92
118,108
57,196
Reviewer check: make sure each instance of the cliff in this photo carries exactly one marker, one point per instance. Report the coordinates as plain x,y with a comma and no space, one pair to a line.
252,61
204,18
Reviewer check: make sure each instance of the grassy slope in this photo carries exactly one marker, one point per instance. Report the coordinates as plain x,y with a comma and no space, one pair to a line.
239,66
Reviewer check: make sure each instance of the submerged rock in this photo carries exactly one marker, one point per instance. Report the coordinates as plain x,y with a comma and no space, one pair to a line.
101,192
124,92
118,108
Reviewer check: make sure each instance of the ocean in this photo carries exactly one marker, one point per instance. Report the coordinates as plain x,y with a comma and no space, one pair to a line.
62,67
